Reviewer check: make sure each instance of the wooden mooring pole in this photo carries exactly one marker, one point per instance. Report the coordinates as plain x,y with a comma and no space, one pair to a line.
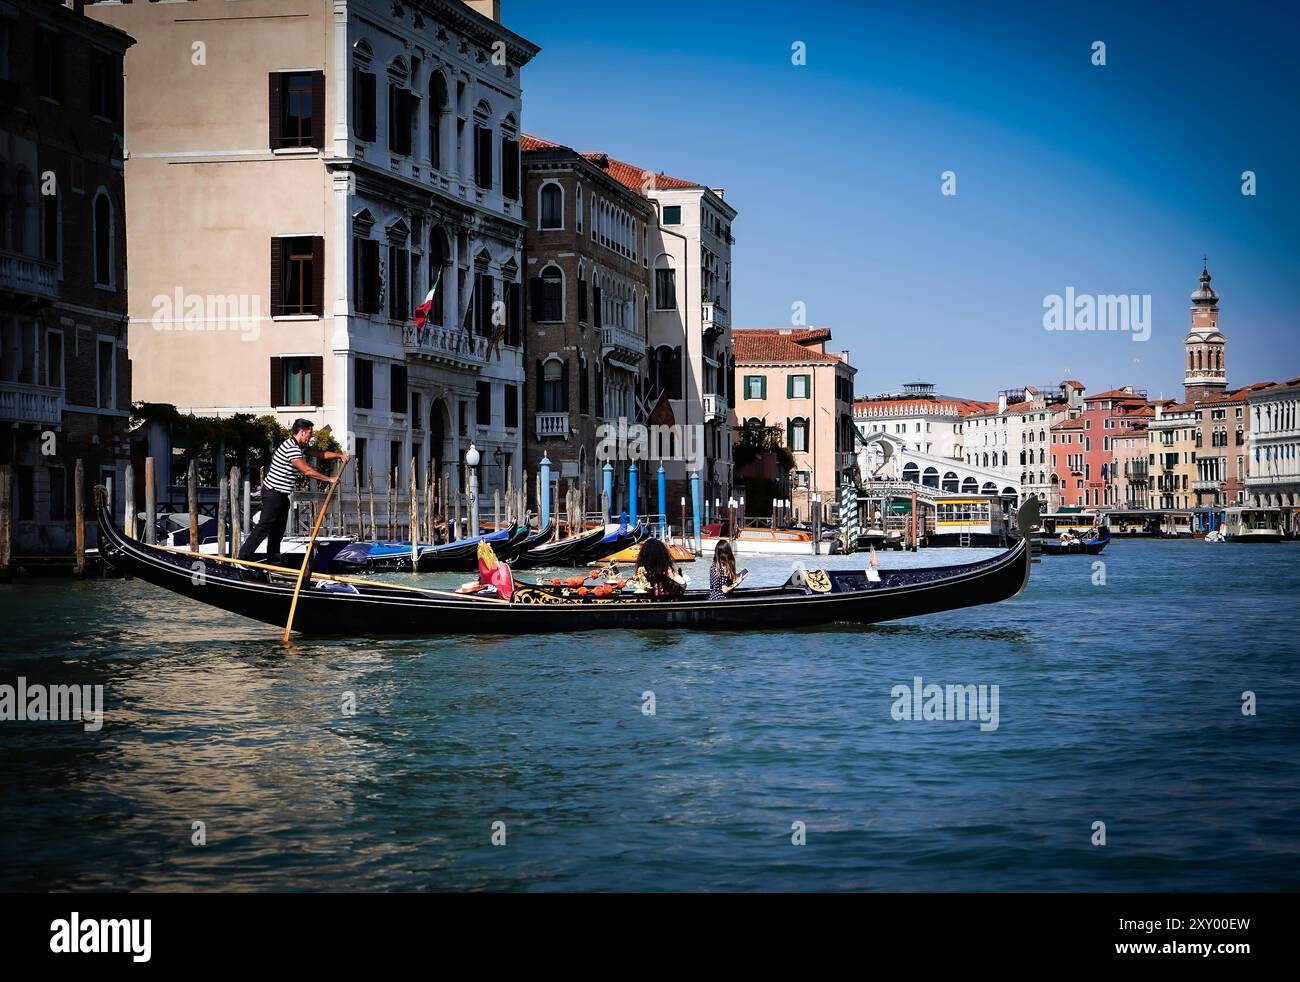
192,503
150,503
128,509
6,520
79,489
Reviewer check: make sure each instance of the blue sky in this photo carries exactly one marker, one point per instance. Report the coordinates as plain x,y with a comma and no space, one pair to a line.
1111,179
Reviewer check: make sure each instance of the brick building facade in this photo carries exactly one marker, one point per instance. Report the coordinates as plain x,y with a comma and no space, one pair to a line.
65,378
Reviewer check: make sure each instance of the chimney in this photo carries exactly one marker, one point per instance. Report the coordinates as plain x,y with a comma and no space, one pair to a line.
720,192
1002,403
491,9
844,355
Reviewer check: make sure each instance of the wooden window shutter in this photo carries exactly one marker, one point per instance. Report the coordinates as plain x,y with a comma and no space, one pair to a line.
535,291
564,386
366,94
595,307
318,275
277,277
582,300
789,386
541,386
317,380
277,383
762,386
318,110
276,133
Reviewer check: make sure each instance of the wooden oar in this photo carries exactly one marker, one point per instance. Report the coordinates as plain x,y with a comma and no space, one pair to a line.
334,577
306,559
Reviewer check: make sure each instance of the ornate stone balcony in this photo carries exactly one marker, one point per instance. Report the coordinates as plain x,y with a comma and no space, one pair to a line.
28,276
40,405
461,349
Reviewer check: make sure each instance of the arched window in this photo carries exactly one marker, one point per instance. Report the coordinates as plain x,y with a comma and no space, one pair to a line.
553,390
549,304
26,240
104,239
950,481
577,210
911,472
797,435
930,478
437,114
550,206
989,488
969,486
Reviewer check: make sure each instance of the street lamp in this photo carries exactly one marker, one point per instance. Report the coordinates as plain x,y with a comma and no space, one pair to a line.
472,458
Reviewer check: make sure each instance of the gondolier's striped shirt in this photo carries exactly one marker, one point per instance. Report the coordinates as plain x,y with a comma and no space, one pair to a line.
282,476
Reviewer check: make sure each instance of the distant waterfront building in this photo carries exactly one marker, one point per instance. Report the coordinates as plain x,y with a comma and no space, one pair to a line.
65,374
927,422
1013,439
786,378
588,276
1273,474
1171,442
296,185
1083,459
689,361
1131,461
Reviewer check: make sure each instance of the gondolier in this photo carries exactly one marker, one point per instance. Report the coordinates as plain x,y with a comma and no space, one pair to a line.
288,467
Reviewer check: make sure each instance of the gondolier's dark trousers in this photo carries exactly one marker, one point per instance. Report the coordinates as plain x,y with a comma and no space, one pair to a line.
270,526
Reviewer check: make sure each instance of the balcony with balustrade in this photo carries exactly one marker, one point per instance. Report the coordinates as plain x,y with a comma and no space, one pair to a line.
28,276
715,407
714,318
456,348
38,405
552,426
622,344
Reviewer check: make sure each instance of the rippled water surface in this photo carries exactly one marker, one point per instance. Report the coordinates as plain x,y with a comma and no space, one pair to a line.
1119,703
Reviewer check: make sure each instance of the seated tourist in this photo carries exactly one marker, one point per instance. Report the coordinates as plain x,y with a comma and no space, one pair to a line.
663,580
723,577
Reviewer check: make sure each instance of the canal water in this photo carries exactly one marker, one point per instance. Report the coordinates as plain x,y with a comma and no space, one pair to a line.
1119,701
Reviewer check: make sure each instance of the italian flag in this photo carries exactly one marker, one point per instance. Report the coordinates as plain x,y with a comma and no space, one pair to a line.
422,311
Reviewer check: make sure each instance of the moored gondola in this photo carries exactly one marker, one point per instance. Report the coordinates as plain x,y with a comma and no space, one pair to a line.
559,553
357,608
1090,546
459,556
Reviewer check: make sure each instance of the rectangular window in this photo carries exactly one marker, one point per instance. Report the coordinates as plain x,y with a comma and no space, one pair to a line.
297,382
483,157
54,359
483,406
485,291
395,469
363,383
399,287
510,168
49,64
397,395
512,405
107,380
582,300
367,288
58,478
25,492
665,289
799,387
755,386
50,228
362,476
297,276
103,84
297,109
401,118
363,105
672,214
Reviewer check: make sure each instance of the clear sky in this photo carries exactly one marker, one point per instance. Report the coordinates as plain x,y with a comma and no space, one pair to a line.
1107,179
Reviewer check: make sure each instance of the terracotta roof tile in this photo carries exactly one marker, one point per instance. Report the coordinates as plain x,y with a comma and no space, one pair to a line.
634,177
529,142
756,344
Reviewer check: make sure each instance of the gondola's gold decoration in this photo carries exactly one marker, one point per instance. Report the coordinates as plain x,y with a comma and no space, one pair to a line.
817,580
536,596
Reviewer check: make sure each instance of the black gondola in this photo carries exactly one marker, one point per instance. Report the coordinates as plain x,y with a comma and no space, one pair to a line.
1090,546
610,543
462,556
328,607
559,553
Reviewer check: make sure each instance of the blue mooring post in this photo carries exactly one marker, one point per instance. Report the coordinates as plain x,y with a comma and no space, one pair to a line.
663,504
544,492
695,510
631,494
607,506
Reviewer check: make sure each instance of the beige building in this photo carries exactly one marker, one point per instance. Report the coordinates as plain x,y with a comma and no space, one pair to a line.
1171,435
298,175
786,379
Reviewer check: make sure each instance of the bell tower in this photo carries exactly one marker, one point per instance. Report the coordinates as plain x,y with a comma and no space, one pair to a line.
1204,375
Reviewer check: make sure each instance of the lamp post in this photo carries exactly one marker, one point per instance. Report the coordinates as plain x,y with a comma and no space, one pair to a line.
471,461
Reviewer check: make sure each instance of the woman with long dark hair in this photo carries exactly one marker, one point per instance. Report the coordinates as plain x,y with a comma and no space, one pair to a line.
656,565
723,577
